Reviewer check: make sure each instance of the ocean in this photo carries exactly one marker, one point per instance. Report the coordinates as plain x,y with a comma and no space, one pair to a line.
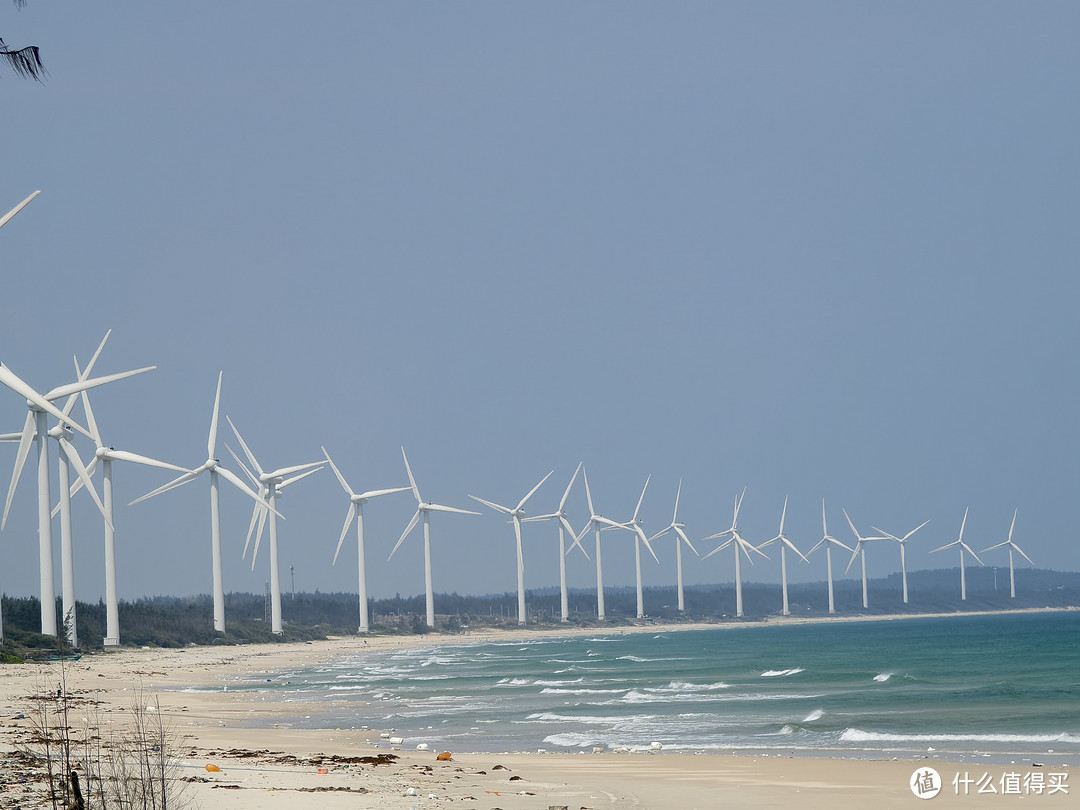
996,688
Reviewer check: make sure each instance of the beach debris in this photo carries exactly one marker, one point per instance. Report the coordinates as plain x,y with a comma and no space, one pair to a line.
655,746
432,796
443,757
421,746
499,768
212,768
322,770
396,740
410,791
598,749
515,778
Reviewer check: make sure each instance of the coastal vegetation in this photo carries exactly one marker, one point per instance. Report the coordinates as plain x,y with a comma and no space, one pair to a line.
168,621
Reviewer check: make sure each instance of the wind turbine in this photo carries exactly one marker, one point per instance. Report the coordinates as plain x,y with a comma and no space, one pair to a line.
36,429
596,523
1012,546
213,466
680,538
903,545
736,540
959,541
564,526
356,511
636,526
270,484
516,514
785,544
425,509
4,220
860,551
828,541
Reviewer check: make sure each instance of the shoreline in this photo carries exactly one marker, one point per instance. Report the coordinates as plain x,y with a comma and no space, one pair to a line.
235,730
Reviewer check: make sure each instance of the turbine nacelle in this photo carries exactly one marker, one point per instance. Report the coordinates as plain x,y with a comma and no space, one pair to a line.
61,431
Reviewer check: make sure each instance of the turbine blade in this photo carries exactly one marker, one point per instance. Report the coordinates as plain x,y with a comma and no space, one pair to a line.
678,492
661,533
995,548
7,217
1022,554
296,478
962,524
12,381
337,472
854,556
971,551
566,525
506,510
791,545
345,530
258,534
645,540
234,479
135,458
412,481
20,460
211,442
686,540
562,503
639,500
588,493
284,471
525,500
243,445
254,519
83,385
76,462
783,516
404,534
176,482
947,545
375,493
435,507
906,536
1013,526
251,476
852,525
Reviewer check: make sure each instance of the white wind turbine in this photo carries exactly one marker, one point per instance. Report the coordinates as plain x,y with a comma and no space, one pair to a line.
36,429
860,551
680,538
596,523
213,466
903,546
4,220
959,541
1012,546
270,485
356,512
636,526
739,544
516,514
785,544
425,509
828,541
564,526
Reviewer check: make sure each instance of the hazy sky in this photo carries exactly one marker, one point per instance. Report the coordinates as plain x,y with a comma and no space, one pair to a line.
824,250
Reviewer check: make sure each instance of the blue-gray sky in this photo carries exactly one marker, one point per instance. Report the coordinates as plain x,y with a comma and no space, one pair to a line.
824,250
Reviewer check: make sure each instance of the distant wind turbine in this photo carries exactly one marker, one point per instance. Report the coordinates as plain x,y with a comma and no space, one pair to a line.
785,544
828,541
596,522
271,484
736,540
860,551
356,512
564,527
637,527
959,542
1012,546
680,538
903,545
425,509
213,466
516,514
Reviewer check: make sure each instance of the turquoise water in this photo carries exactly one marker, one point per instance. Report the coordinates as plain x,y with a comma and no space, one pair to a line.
968,686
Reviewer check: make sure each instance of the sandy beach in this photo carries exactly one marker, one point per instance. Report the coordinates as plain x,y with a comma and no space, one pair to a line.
268,767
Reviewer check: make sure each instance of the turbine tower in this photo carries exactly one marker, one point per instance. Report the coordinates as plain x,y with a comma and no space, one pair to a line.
860,551
680,538
596,523
903,545
1012,546
213,466
828,541
739,544
785,544
959,541
271,484
636,526
564,526
516,514
36,429
424,508
356,512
